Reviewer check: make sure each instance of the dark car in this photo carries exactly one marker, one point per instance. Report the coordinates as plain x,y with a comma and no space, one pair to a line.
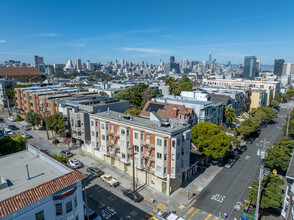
135,196
250,141
66,153
243,148
95,171
12,127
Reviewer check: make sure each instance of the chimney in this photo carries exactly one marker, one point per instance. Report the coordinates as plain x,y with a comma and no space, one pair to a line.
27,167
175,112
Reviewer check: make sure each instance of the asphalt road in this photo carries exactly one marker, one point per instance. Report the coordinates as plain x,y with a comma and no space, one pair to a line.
99,194
228,190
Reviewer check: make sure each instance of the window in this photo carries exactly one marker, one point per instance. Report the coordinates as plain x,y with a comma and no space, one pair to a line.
25,102
173,157
58,208
75,201
122,143
68,206
142,136
31,97
123,156
93,133
96,123
24,95
97,134
112,127
159,156
172,170
107,126
158,169
31,104
136,148
159,142
164,170
40,215
79,123
173,143
178,142
136,135
122,132
48,105
102,125
165,143
147,137
92,123
128,132
49,112
103,137
165,156
128,145
26,108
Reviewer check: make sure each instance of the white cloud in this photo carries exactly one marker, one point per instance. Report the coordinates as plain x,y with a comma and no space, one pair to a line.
148,50
2,41
47,35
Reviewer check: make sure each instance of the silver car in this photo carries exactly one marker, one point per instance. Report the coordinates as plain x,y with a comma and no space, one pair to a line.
74,163
230,163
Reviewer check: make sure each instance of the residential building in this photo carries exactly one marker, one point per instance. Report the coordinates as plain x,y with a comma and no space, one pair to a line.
110,92
5,84
36,186
278,67
258,98
174,114
288,205
22,74
288,69
161,151
250,70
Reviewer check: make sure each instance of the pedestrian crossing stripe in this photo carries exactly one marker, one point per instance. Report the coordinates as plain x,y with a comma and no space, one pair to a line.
160,206
154,210
215,218
181,206
194,214
151,213
208,217
203,213
188,213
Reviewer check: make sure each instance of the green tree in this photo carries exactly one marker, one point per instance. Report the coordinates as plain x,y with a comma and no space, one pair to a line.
133,111
275,103
229,114
259,117
102,93
184,79
148,94
175,89
55,125
33,119
170,80
10,92
290,94
12,144
210,139
235,142
60,157
248,127
291,123
270,113
271,193
279,156
186,86
18,118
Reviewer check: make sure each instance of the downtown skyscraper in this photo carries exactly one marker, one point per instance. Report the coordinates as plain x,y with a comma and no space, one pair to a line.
250,69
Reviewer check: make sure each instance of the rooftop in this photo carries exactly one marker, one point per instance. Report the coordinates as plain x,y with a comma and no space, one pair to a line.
19,71
140,122
179,100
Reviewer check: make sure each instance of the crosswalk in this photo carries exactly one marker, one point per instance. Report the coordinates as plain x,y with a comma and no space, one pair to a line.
197,214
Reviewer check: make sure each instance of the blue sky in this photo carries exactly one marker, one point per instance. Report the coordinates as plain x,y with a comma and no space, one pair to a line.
103,30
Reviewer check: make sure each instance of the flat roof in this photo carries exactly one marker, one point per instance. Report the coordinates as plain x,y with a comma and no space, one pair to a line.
13,169
190,100
140,122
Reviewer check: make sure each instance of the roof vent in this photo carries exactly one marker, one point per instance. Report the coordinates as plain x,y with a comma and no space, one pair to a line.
165,124
3,183
128,117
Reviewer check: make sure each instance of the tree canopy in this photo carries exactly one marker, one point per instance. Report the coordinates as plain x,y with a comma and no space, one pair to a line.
55,125
33,118
271,193
229,114
211,140
10,91
133,111
248,127
12,144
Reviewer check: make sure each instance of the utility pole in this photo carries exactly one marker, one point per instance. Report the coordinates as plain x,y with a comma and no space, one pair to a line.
262,153
288,123
45,119
8,105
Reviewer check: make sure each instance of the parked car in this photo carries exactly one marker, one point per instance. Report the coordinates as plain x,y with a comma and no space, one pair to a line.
243,148
110,180
11,118
74,163
266,172
26,128
66,153
93,215
12,127
250,141
25,135
95,171
8,132
230,163
135,196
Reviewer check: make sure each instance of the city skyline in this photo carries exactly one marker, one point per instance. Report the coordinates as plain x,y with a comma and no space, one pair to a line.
137,31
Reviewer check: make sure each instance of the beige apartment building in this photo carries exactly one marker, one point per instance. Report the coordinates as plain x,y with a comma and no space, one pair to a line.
161,150
258,98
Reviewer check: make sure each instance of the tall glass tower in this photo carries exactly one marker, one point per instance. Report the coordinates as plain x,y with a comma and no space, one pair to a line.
250,70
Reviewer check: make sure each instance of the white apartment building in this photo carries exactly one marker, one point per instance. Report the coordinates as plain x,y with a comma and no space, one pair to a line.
288,69
36,186
161,151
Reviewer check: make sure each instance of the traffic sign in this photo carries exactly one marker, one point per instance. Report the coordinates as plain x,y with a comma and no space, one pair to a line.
275,171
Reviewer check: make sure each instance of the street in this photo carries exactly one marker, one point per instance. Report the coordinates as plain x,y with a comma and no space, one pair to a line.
228,190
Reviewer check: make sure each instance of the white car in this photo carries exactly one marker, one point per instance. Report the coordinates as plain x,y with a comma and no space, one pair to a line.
8,132
74,163
11,118
25,135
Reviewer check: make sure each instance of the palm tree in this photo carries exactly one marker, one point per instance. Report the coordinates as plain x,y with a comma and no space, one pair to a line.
175,89
170,80
229,114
